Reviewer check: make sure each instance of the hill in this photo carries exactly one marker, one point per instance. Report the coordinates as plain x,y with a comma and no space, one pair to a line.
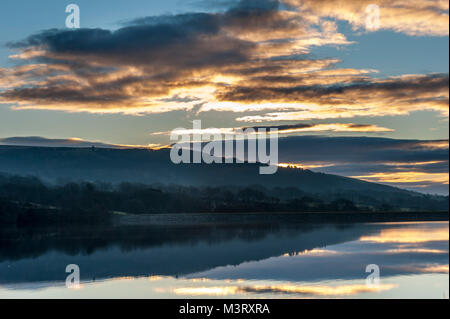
153,167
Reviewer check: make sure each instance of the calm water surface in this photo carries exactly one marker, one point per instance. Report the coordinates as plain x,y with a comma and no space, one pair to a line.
263,260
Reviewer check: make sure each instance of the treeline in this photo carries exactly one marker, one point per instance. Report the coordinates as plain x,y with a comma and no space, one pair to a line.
29,201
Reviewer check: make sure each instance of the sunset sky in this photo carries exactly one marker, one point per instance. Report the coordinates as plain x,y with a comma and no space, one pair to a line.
138,69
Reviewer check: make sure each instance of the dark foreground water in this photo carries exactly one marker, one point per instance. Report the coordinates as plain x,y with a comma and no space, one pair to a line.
245,260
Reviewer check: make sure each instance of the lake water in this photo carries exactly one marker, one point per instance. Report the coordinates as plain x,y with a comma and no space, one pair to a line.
254,260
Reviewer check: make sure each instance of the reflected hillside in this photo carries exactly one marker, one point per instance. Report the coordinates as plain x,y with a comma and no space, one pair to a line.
31,256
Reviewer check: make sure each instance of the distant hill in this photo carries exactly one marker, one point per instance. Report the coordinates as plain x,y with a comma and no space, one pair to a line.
62,165
150,167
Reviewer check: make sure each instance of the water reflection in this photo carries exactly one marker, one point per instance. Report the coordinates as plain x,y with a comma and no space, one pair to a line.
239,261
409,233
305,290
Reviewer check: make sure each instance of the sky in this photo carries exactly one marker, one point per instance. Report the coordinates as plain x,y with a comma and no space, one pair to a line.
138,69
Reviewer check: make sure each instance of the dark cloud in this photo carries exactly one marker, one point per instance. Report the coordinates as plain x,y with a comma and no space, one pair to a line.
281,127
191,42
359,150
188,40
321,93
61,94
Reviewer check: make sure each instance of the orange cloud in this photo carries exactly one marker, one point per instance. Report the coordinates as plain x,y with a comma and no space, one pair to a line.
393,96
409,177
413,17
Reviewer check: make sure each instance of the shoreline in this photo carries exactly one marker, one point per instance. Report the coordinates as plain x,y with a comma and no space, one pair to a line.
185,219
